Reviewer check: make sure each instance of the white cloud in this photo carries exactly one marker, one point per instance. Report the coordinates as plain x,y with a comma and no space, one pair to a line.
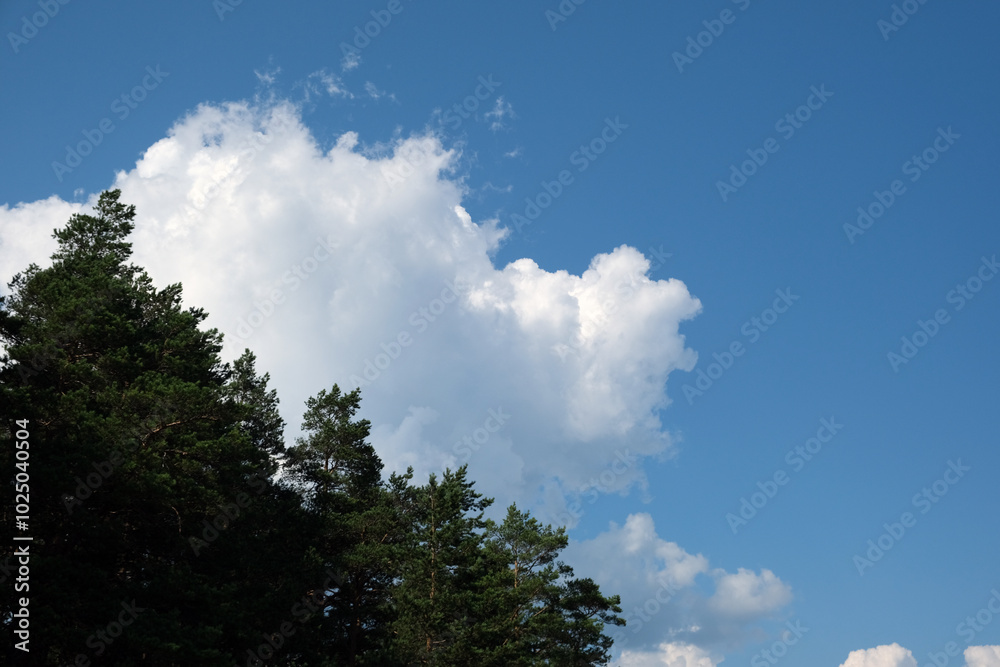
502,111
350,266
665,589
489,187
319,83
240,204
982,656
350,60
269,76
373,92
668,655
891,655
746,594
894,655
26,233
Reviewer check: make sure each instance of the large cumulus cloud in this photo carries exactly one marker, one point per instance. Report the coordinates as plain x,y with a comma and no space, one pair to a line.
361,267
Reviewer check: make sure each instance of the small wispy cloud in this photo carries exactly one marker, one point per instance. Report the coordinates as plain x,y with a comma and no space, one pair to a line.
489,187
502,112
322,82
350,61
373,92
268,76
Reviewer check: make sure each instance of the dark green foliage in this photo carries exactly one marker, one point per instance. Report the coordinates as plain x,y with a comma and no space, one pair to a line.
160,480
340,475
437,595
138,436
335,458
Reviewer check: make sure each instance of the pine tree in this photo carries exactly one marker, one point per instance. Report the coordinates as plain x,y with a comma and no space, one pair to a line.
134,447
535,612
578,639
436,596
474,592
161,484
335,457
340,476
257,409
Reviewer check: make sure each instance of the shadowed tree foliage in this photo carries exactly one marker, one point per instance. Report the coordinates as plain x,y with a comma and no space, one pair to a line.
172,525
139,435
437,593
340,478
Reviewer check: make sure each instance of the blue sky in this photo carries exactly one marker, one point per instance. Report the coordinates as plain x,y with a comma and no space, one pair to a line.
244,133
